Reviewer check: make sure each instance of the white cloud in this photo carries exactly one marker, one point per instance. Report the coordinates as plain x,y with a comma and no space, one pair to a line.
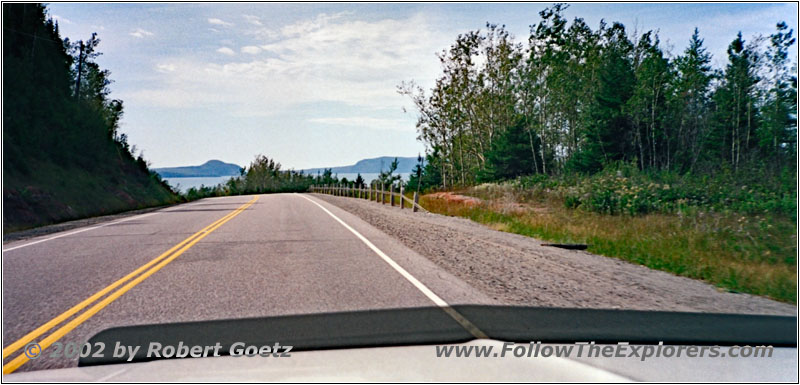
368,122
226,51
140,33
254,20
221,22
329,58
61,19
165,68
251,49
264,33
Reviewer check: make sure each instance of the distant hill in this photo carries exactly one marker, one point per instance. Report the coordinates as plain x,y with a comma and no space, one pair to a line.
207,169
373,165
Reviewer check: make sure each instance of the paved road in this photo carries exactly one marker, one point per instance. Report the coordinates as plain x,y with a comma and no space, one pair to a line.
269,255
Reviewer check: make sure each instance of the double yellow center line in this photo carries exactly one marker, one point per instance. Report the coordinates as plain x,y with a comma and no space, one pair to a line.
159,262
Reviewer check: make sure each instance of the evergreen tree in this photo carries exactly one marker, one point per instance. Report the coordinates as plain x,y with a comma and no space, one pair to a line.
778,133
359,181
689,103
509,156
387,177
416,175
608,130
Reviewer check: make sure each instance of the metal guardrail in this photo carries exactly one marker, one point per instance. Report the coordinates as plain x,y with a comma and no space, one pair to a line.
373,194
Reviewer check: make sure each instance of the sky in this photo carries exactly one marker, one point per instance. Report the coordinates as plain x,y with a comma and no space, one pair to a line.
314,85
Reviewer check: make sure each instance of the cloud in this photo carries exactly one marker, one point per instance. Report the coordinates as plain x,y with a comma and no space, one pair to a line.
216,21
140,33
254,20
165,68
328,58
62,20
368,122
251,49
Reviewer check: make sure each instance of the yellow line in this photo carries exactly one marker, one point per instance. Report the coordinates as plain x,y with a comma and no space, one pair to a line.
187,243
63,316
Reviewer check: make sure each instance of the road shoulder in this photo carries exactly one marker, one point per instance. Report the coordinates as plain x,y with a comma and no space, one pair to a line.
516,270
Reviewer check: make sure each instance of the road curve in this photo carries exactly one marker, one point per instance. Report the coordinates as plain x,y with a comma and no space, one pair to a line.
266,255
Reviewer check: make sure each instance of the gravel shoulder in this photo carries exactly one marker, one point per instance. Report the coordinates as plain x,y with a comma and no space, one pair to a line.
516,270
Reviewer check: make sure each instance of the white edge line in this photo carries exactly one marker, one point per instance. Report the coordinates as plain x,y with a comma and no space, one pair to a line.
79,231
99,226
414,281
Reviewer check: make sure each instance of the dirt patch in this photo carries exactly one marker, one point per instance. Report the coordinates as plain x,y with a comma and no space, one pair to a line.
455,198
517,270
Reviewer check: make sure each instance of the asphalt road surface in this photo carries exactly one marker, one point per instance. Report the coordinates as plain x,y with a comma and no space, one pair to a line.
218,258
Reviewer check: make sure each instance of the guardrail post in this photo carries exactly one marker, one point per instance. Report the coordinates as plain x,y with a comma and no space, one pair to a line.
416,201
383,194
391,195
402,197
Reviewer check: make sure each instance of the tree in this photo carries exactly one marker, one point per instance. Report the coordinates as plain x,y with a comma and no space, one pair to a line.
646,105
509,156
414,180
359,181
86,53
736,101
387,177
592,98
608,131
689,102
779,127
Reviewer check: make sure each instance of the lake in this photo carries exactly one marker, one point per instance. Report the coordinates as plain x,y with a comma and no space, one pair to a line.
184,184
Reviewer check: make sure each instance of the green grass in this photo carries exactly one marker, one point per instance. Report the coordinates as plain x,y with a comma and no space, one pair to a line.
749,253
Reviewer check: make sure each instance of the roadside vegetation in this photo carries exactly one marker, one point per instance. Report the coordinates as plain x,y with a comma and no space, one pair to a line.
63,157
603,137
745,246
